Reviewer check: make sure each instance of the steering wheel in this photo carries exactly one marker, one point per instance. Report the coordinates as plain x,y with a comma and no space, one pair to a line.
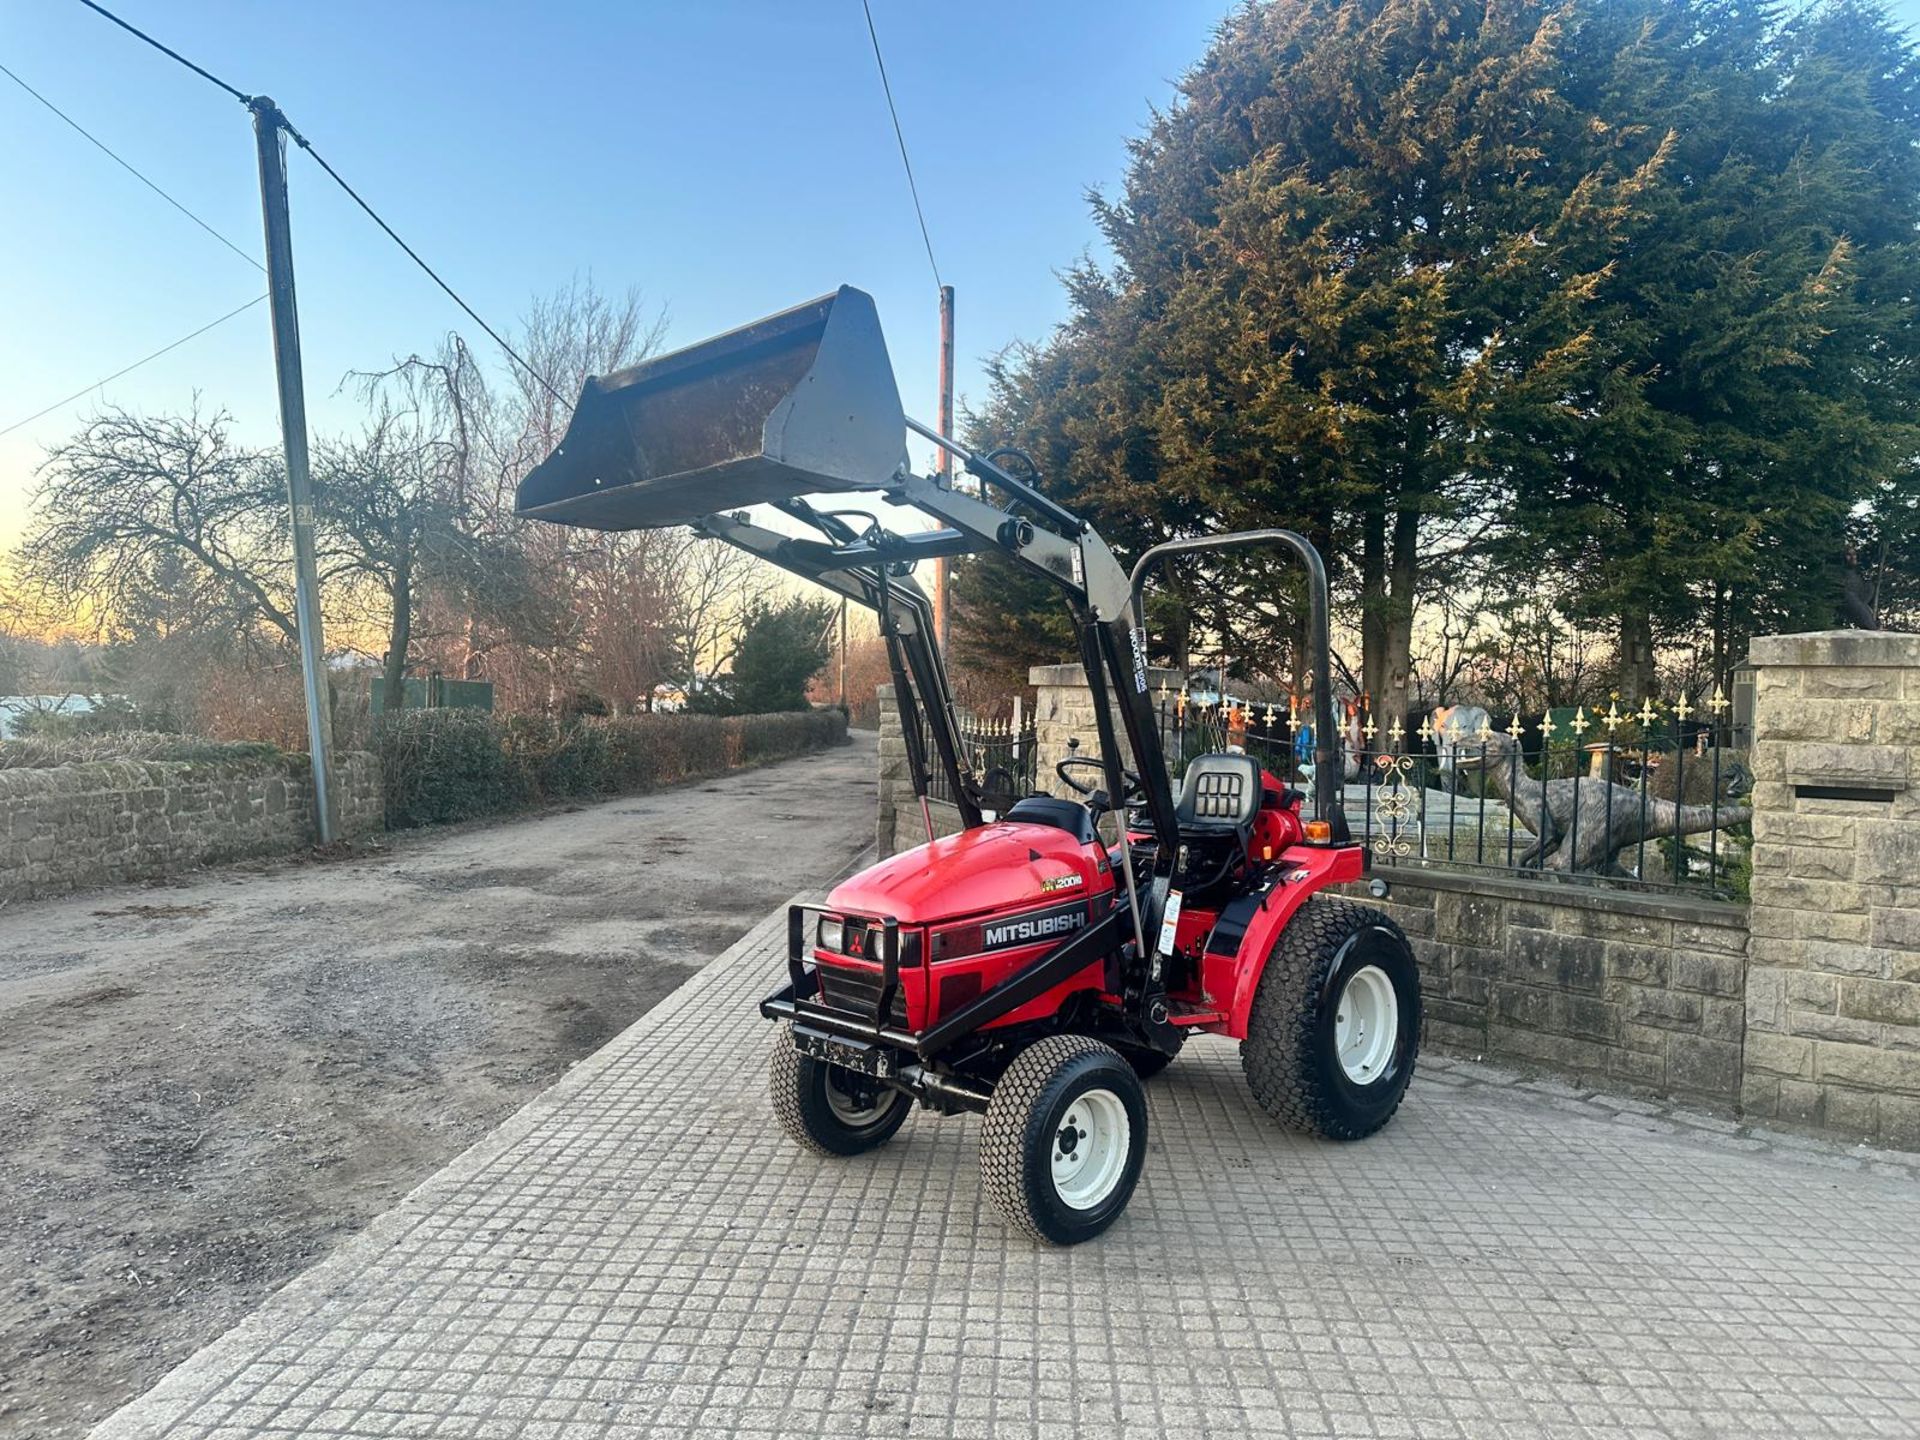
1136,790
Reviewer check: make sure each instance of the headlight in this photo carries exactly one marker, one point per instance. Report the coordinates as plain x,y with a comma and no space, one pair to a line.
833,936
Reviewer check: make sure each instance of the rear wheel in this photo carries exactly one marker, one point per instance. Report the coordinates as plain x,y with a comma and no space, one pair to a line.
1335,1025
829,1110
1064,1139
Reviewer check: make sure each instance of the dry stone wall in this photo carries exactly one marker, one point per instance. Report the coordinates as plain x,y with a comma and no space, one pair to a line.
73,827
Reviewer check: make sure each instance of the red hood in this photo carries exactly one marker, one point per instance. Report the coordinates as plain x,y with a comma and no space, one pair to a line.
993,868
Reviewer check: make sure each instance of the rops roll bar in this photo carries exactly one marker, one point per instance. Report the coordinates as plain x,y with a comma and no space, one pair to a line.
1327,778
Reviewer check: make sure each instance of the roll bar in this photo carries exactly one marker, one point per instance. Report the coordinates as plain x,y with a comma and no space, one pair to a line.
1326,753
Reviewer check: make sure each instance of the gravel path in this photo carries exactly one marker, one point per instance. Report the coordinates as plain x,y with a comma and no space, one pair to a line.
208,1084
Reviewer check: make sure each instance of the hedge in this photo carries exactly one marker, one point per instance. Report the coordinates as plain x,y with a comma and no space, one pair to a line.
444,765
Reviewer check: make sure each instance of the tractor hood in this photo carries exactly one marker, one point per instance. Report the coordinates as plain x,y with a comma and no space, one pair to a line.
994,868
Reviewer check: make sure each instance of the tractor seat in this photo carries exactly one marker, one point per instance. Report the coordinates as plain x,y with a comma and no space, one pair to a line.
1068,815
1220,797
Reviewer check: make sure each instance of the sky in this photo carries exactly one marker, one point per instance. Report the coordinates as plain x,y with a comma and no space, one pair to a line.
728,158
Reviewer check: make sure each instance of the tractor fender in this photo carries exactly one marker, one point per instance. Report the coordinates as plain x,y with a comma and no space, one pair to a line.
1304,871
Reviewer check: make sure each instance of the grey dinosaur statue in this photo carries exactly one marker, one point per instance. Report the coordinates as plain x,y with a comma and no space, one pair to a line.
1611,818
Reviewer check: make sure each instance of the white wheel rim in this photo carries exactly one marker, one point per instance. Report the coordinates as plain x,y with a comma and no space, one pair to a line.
1089,1148
850,1111
1366,1023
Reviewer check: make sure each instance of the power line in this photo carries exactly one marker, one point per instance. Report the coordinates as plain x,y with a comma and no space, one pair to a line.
414,256
250,102
898,135
79,394
204,74
130,169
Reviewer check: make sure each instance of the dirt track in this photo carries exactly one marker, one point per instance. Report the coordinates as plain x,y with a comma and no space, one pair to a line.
207,1084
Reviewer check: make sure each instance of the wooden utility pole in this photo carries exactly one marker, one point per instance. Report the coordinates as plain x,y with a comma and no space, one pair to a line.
843,652
269,130
942,608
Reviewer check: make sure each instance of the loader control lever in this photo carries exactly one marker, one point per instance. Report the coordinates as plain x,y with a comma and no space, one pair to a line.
1136,793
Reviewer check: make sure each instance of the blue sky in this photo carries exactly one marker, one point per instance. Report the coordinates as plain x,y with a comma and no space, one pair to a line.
729,158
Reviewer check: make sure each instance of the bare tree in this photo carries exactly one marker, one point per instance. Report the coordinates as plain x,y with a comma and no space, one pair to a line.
485,437
715,588
142,522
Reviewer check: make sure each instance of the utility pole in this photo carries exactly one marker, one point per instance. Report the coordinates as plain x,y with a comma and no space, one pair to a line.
941,606
843,652
269,130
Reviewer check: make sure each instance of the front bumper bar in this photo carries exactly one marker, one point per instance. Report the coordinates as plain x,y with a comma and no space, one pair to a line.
800,1001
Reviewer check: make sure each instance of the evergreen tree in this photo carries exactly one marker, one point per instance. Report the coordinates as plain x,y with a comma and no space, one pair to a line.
1757,335
1617,283
781,647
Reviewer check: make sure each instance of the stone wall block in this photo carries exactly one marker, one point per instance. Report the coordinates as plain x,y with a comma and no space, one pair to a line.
1665,1009
1639,1070
1889,852
1780,1055
1811,990
1802,1103
1818,1025
1702,1066
1640,964
1868,1067
1723,1019
1897,928
1888,1001
1569,962
1464,919
1710,972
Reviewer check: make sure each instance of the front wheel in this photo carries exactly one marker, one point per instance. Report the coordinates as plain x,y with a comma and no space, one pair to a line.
1064,1139
829,1110
1335,1025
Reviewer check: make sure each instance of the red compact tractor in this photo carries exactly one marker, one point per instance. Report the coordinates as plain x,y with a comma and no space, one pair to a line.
1039,965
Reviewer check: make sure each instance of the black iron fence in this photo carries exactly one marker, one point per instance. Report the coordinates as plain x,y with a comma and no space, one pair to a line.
999,754
1653,797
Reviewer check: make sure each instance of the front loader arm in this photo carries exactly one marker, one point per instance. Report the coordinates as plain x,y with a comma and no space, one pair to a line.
920,684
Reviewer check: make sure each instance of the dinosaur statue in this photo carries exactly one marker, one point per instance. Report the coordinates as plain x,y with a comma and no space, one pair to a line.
1611,818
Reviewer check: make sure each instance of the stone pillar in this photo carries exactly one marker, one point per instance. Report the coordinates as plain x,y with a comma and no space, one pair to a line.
899,823
1063,711
1833,982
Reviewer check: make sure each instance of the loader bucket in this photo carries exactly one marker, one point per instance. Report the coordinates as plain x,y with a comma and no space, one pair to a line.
797,403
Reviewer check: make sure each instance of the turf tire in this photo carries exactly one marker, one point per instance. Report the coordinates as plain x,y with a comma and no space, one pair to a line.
1028,1112
798,1085
1289,1054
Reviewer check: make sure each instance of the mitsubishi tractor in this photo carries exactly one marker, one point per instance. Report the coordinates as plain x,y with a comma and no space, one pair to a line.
1039,966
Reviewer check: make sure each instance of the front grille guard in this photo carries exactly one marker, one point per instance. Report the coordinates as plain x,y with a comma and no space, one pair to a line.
800,1000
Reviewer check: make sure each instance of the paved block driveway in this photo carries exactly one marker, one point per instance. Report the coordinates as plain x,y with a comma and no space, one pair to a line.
639,1253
